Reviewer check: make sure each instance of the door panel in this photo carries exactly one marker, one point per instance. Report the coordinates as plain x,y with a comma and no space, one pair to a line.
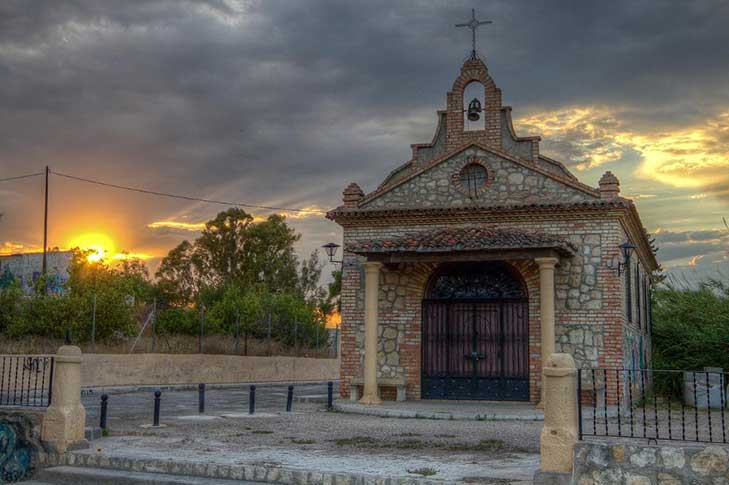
475,350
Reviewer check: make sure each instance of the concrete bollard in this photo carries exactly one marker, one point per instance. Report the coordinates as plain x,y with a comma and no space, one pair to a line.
65,419
559,435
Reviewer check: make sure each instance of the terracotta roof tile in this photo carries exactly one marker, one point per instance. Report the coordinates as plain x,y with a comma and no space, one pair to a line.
463,239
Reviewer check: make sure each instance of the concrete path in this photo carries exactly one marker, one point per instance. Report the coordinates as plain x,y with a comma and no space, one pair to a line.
450,410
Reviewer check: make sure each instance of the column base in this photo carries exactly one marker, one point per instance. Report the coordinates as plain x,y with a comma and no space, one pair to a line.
369,399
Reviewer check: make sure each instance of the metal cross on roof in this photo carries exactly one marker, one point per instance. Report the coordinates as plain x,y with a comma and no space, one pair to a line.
473,24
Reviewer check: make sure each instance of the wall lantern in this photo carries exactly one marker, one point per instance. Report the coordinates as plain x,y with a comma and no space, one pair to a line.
331,249
626,250
621,260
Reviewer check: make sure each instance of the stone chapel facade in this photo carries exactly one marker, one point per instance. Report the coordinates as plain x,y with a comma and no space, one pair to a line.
480,256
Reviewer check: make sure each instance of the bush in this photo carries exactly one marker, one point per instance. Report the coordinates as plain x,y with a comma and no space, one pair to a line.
180,320
690,329
10,305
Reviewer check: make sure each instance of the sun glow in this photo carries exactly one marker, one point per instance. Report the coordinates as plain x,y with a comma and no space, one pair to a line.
101,246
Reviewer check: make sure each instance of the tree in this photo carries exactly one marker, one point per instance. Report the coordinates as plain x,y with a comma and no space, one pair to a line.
233,250
179,277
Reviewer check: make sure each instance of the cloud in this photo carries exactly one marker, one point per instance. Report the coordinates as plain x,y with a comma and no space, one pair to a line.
686,157
10,247
184,226
687,248
284,103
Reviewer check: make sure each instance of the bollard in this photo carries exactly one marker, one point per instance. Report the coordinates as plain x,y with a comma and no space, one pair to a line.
252,401
330,395
201,398
289,399
157,395
102,417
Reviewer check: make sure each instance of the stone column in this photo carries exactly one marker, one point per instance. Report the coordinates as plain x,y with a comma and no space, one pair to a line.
546,308
371,393
65,419
559,434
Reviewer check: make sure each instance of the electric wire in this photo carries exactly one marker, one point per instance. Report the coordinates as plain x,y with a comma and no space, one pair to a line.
18,177
184,197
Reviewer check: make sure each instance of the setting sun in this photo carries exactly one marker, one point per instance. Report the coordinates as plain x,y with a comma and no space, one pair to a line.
101,245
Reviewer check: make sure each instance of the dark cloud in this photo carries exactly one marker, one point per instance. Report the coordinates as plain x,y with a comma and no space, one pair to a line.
283,103
675,245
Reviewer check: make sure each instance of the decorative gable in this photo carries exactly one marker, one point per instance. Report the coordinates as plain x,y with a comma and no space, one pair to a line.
478,176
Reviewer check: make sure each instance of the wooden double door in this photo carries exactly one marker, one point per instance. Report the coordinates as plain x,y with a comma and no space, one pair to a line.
475,349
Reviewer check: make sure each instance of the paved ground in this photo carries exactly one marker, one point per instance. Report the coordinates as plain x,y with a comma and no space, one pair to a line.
313,438
450,410
139,405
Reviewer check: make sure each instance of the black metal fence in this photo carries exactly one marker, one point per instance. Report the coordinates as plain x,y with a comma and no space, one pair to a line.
26,380
653,404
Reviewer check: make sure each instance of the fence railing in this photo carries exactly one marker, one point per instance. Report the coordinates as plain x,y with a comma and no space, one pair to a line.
625,403
26,380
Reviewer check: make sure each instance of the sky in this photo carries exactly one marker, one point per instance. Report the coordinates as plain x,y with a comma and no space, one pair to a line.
283,103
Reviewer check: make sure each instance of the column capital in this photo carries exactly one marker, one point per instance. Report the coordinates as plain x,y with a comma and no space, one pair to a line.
373,266
548,262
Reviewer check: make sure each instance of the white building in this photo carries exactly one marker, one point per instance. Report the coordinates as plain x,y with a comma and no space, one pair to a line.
26,268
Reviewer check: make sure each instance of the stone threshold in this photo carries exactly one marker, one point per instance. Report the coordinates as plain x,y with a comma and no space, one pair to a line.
251,472
392,412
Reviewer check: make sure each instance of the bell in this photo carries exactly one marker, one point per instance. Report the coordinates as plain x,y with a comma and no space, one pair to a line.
474,108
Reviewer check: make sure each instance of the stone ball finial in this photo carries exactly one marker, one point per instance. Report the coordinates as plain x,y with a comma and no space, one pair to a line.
352,194
609,185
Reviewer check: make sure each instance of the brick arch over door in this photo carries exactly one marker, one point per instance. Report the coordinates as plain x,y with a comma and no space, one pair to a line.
475,333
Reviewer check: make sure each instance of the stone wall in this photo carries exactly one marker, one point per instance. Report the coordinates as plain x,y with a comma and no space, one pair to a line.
638,464
512,183
107,370
20,443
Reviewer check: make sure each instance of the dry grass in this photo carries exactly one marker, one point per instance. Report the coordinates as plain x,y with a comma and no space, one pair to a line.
167,344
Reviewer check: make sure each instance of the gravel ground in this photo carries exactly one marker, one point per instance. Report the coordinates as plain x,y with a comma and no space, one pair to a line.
313,438
312,427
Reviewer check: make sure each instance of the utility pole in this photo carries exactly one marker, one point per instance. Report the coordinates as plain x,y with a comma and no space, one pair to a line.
45,226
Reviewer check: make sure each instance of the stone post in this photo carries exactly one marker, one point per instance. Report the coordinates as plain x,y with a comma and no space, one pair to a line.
546,309
65,419
560,432
371,393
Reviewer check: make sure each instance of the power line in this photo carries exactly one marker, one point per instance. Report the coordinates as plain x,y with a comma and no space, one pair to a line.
21,177
183,197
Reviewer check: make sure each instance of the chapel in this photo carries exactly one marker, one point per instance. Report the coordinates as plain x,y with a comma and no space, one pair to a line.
480,256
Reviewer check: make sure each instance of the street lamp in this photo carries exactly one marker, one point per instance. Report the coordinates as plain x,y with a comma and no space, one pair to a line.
331,249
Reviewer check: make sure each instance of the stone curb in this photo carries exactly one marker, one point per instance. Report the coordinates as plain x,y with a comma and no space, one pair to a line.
250,472
92,391
398,413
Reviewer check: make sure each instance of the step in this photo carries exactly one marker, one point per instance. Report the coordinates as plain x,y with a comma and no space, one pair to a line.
90,476
92,433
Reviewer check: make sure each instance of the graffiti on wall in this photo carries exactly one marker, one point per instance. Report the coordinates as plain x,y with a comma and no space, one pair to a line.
25,270
15,456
